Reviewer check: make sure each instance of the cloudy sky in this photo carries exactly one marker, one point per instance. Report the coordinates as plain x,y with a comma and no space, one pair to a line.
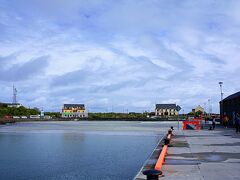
119,55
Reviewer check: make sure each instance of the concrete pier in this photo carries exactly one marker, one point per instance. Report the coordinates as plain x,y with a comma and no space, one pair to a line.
202,154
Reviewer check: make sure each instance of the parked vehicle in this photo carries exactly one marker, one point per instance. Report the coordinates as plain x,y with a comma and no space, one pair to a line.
47,117
35,116
16,117
218,120
23,117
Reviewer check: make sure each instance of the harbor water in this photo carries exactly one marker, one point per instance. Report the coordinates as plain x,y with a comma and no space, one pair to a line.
76,150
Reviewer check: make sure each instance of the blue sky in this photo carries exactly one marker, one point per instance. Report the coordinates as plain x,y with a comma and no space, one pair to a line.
119,55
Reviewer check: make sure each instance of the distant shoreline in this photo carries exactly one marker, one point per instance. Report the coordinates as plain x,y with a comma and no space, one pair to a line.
5,121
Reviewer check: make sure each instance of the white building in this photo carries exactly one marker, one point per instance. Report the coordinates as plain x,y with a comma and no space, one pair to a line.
166,110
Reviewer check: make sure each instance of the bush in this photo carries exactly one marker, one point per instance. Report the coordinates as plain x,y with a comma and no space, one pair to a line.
13,111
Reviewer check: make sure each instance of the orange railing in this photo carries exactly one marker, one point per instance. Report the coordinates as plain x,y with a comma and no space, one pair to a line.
154,173
163,154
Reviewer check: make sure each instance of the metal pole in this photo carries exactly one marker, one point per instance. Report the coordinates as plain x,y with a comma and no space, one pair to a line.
209,113
178,121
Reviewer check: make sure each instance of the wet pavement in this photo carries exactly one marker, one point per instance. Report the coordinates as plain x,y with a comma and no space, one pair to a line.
203,154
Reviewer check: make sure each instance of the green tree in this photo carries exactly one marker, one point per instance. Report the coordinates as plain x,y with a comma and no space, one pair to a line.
198,113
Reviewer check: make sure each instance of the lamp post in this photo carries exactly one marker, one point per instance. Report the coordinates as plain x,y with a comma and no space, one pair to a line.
209,108
221,103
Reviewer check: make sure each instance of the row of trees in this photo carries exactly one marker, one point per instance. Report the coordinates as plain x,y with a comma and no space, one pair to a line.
197,114
54,114
22,111
116,115
13,111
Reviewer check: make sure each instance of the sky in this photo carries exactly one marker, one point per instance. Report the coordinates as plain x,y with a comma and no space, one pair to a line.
124,55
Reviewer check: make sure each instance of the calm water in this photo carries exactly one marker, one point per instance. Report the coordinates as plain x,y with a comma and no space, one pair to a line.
73,150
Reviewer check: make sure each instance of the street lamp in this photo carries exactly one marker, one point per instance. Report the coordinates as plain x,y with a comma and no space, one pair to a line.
221,103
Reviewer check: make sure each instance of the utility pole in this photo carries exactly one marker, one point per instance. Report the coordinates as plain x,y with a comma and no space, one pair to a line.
14,101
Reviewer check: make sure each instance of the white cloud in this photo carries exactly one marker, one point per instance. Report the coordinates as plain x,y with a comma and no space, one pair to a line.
108,53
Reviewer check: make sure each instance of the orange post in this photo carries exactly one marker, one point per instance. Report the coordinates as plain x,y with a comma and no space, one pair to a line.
161,158
163,154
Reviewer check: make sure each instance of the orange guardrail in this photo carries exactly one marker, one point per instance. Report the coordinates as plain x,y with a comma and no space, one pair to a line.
162,156
154,173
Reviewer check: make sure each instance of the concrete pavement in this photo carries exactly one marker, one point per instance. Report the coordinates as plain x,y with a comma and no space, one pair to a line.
203,154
